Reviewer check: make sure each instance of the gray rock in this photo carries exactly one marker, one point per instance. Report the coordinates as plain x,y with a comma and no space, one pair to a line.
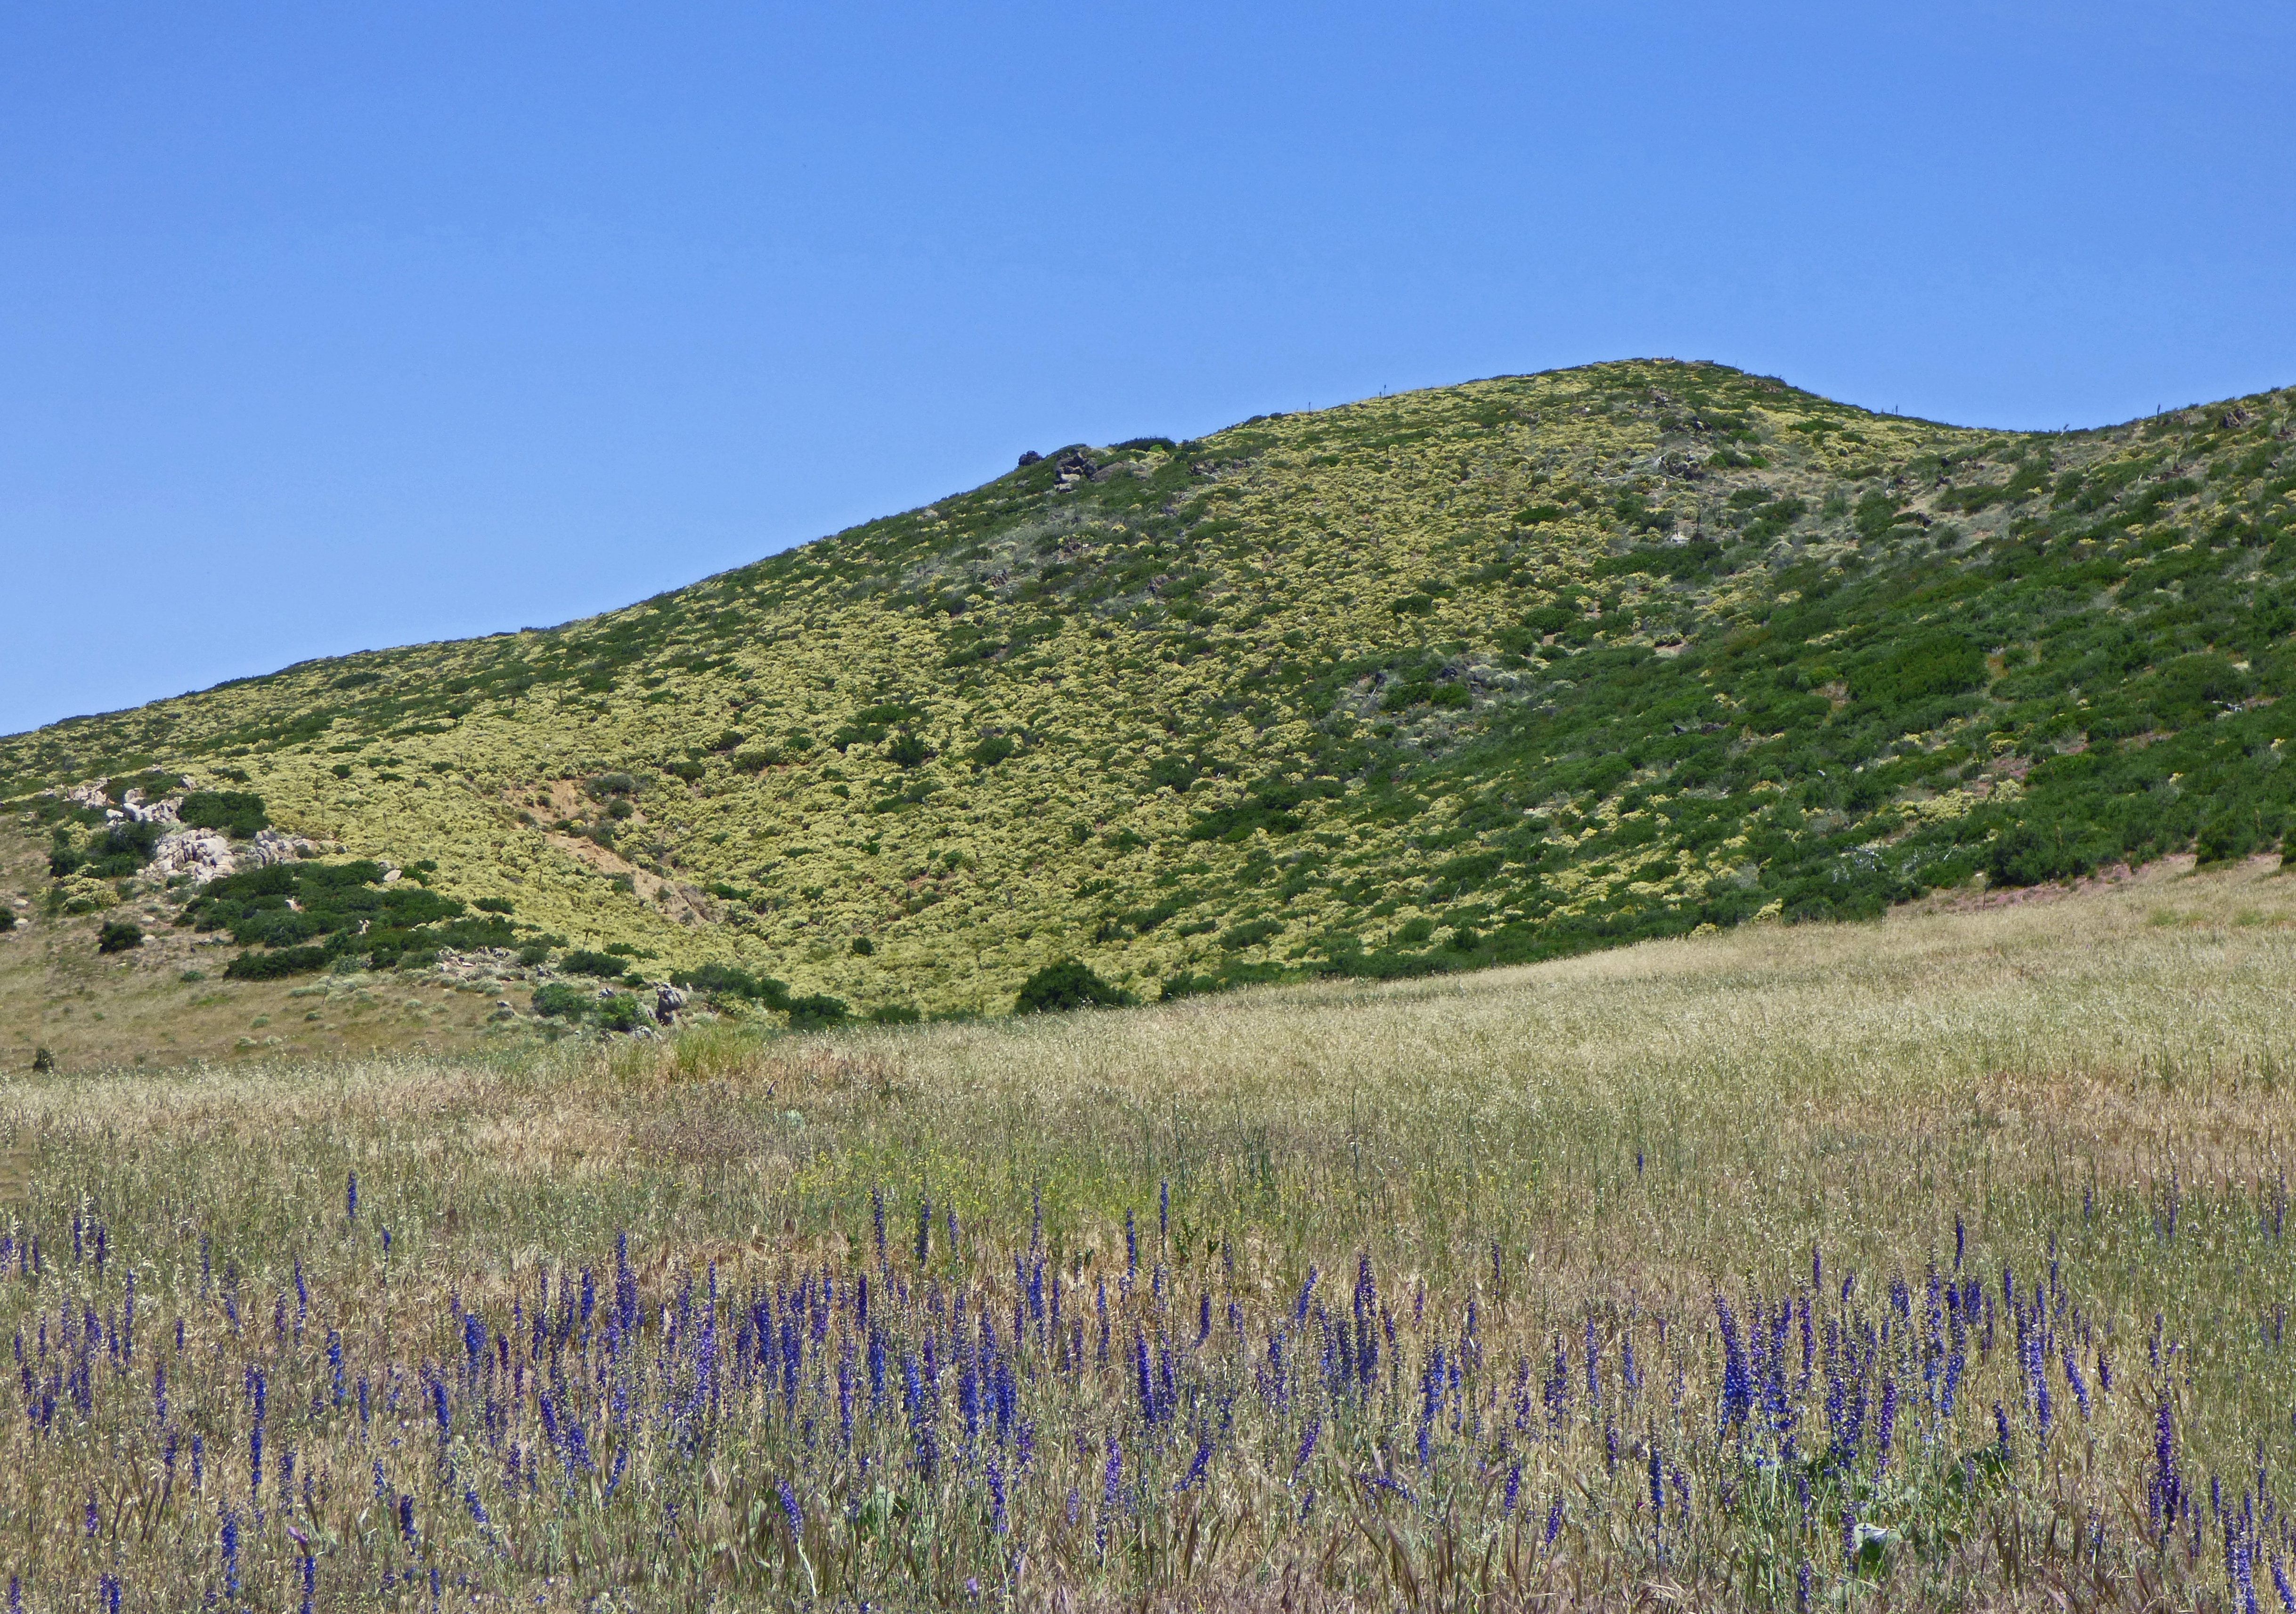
201,854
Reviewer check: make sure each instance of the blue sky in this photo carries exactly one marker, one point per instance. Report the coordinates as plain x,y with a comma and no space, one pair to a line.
323,328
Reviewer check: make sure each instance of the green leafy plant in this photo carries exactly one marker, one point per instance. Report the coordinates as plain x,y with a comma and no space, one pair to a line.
120,936
1068,984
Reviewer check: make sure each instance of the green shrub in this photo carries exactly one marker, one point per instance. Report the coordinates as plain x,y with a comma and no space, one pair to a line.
691,772
583,962
556,999
1185,985
493,905
620,1012
992,751
276,965
895,1014
238,814
117,937
1935,665
816,1013
7,919
534,953
1069,984
729,981
863,947
1235,938
907,748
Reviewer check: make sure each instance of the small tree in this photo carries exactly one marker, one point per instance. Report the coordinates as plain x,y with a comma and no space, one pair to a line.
120,936
817,1012
1069,984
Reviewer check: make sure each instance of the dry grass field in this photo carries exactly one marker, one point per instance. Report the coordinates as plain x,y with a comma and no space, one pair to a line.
1932,1262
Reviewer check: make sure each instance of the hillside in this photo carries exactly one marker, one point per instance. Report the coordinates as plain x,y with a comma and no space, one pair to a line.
1476,675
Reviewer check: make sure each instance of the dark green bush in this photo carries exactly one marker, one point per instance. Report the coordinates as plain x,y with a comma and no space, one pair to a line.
274,965
493,905
863,947
7,919
555,998
907,748
117,937
816,1013
238,814
1069,984
583,962
620,1012
992,751
1235,938
727,980
895,1014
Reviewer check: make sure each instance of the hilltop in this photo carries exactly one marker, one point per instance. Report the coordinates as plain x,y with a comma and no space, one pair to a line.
1481,674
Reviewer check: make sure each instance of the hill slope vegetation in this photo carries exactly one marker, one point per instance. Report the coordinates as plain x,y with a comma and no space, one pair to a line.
1480,674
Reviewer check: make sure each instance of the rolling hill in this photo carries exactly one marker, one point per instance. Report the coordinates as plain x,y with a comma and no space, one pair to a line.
1481,674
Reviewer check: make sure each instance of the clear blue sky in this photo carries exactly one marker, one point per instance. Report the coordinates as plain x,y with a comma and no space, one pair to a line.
326,327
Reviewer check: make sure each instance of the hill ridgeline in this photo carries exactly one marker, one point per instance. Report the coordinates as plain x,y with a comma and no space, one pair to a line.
1480,674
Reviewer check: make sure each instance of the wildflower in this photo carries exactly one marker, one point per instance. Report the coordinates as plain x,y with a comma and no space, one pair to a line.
350,1198
1737,1389
1553,1522
478,1508
791,1512
230,1555
1802,1578
311,1580
107,1589
1147,1388
1306,1444
1513,1490
996,1498
1888,1425
90,1518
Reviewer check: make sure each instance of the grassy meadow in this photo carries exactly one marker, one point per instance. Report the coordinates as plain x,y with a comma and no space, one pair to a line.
1934,1261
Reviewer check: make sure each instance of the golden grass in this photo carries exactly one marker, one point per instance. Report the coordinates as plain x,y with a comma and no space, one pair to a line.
2099,1076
